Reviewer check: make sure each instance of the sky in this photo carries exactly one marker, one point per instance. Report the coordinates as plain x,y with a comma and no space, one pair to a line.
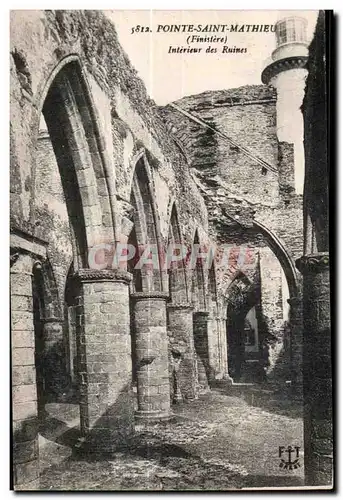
170,76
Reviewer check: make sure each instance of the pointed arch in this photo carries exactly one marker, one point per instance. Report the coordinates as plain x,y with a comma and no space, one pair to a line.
81,156
212,290
46,290
242,296
178,288
50,359
146,230
285,259
198,281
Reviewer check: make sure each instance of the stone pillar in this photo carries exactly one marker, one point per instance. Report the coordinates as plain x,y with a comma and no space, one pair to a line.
180,326
296,340
200,322
151,352
104,359
24,390
317,370
213,346
222,347
54,365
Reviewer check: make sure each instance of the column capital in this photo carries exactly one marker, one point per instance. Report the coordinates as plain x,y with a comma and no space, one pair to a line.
89,275
150,295
181,305
313,263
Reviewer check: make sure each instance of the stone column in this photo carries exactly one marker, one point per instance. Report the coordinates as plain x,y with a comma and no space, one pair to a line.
317,370
151,351
24,390
180,326
296,340
104,359
213,346
54,365
200,321
222,347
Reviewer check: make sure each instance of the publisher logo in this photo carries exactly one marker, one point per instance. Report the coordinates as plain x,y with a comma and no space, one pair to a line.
289,457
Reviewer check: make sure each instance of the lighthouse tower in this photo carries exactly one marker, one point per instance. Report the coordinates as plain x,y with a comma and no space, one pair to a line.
286,72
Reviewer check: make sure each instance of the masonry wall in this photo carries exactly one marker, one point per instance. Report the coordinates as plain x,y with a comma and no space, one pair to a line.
245,176
51,216
273,316
315,264
317,153
238,186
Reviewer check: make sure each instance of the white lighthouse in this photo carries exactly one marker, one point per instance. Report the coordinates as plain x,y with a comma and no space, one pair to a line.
286,72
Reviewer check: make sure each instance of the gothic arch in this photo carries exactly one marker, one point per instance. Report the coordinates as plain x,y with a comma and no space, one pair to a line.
178,288
286,261
241,296
240,292
50,353
44,279
146,229
212,290
80,151
198,281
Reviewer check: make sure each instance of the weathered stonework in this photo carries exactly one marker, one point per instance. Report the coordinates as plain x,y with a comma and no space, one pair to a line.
104,354
24,391
315,266
317,369
181,342
151,346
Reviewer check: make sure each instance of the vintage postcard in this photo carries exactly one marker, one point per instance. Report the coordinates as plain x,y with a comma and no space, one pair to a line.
169,255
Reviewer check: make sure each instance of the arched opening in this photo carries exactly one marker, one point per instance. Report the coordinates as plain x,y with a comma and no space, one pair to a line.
176,269
71,124
77,154
212,291
70,127
148,301
179,318
50,349
286,261
144,238
198,280
145,234
264,260
244,340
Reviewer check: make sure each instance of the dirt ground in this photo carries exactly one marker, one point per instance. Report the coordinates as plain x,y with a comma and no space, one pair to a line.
219,442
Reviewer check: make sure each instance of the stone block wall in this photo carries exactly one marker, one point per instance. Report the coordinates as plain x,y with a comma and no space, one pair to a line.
315,263
24,391
50,213
273,316
151,352
243,172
